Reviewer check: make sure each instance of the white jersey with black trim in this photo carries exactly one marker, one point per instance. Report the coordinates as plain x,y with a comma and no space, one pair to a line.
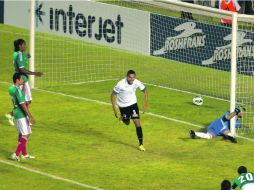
126,93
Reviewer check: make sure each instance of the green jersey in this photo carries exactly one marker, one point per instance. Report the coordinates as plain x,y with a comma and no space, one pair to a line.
243,179
20,61
18,97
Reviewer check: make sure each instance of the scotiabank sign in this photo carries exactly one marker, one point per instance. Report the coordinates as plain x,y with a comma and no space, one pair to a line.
84,20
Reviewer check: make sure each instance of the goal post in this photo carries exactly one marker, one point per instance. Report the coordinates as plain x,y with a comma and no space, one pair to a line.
233,72
207,11
32,43
245,71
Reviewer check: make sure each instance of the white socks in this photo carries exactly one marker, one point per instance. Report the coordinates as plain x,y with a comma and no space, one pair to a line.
203,135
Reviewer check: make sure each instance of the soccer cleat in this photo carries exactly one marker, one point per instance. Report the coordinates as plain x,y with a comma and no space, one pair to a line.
10,119
27,157
232,139
141,148
14,157
192,134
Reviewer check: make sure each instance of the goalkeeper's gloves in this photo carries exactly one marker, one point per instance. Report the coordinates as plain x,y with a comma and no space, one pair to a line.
237,110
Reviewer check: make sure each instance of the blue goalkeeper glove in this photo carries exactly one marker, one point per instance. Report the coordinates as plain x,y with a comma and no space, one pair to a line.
237,110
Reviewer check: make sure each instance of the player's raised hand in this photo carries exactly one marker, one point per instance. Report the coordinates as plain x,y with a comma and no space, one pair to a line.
237,110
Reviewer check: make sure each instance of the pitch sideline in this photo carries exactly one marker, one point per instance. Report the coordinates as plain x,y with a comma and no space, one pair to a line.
50,175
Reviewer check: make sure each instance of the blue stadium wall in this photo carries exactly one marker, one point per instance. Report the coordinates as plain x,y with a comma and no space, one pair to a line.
1,11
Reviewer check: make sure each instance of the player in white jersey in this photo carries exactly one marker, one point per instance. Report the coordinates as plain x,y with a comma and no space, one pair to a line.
125,90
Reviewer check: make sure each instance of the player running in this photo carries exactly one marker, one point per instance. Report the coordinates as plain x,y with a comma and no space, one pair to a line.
125,90
220,126
22,116
245,180
20,63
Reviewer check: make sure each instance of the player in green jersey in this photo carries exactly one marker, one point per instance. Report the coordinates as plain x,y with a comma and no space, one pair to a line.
245,180
20,63
22,116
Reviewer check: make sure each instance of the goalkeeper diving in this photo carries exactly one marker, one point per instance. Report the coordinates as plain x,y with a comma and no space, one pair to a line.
221,126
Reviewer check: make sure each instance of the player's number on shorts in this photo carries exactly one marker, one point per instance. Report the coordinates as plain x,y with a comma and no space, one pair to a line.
247,177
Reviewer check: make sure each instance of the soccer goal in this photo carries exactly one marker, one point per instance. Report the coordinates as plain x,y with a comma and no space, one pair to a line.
170,44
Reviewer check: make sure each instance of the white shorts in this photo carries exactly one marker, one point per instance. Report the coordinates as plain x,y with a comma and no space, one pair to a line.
22,126
27,91
249,186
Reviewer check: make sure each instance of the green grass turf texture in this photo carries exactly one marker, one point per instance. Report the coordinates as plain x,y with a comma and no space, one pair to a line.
82,141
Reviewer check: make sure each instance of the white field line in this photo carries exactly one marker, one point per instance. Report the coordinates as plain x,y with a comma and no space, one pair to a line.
152,114
148,113
50,175
74,97
245,138
96,81
104,103
187,92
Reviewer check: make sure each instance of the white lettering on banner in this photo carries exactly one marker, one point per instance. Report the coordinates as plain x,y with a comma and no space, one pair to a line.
224,52
83,25
184,40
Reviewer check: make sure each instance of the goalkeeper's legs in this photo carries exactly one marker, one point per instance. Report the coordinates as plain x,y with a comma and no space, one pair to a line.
207,135
228,135
204,135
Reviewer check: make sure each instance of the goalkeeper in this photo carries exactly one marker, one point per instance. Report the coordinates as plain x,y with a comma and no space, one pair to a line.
220,126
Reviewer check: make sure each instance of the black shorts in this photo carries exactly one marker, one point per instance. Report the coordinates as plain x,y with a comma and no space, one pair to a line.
131,111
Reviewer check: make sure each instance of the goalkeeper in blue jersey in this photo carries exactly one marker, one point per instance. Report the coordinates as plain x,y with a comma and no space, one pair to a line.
220,126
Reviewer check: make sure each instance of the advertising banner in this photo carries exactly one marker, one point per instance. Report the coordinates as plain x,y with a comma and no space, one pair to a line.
101,23
197,43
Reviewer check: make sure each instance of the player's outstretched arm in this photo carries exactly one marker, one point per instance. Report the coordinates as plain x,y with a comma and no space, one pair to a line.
234,113
25,71
230,116
113,100
145,100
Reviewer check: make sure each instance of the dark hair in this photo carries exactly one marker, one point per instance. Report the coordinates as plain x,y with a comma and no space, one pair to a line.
17,43
130,72
16,77
242,169
225,185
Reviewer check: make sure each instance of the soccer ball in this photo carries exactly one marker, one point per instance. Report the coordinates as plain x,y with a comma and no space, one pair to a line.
198,100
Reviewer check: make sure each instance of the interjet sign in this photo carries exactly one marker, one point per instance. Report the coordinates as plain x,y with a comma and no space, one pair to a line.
94,22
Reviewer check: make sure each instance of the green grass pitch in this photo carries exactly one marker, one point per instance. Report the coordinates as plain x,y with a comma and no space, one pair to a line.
78,139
